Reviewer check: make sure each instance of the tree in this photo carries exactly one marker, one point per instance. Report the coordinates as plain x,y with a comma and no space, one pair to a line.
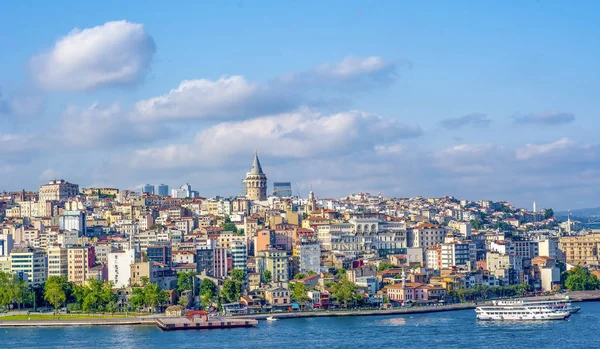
385,266
208,288
228,226
579,279
54,291
476,224
137,299
153,296
300,293
310,272
185,281
299,276
549,213
112,307
144,280
238,275
344,291
231,290
12,289
267,276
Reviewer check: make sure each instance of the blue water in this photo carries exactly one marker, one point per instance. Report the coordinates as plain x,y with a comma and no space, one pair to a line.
457,329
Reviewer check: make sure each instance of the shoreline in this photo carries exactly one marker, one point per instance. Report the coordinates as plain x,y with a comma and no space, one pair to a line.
579,296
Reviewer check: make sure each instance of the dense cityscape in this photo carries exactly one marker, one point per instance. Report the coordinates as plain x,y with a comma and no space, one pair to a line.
108,250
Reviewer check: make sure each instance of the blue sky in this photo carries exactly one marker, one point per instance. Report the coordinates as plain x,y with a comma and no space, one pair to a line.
490,99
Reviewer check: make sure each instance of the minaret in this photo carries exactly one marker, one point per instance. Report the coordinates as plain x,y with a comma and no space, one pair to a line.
256,181
569,222
311,204
403,278
534,208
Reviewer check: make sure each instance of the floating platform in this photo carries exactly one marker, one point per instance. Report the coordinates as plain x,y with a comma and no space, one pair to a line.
201,321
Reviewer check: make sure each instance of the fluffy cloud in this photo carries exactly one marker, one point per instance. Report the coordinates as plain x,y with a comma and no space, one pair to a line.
473,119
233,97
115,53
228,97
530,151
300,134
350,73
103,126
553,118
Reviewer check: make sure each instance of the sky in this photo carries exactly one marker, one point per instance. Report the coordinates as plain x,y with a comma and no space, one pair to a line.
492,100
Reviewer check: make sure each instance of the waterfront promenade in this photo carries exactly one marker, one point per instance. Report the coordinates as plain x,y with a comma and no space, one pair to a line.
579,296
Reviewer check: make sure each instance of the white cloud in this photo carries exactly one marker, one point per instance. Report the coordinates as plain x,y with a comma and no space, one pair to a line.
352,67
99,125
296,135
534,150
234,98
228,97
114,53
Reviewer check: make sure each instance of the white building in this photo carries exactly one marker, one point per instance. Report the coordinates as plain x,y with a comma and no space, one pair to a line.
362,234
239,255
119,267
309,257
57,190
458,254
549,248
6,244
72,220
57,261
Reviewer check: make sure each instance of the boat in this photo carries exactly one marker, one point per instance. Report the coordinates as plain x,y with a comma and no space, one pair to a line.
520,313
557,304
270,318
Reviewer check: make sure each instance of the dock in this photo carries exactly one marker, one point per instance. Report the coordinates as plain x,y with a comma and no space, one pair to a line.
199,320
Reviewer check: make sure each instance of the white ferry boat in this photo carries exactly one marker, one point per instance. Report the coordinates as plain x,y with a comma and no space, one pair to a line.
520,313
556,304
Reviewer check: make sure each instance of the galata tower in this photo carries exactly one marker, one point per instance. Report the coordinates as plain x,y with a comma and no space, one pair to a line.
256,182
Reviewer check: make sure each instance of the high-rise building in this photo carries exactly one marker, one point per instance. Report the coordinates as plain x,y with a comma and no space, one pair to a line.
220,269
185,191
205,260
458,254
239,255
80,259
282,189
57,190
163,190
160,252
119,267
275,261
30,263
256,182
148,189
58,261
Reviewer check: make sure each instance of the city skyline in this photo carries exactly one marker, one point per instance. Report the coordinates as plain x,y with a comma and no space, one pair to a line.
477,101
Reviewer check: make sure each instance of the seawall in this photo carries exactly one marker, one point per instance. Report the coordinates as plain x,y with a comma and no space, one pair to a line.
79,322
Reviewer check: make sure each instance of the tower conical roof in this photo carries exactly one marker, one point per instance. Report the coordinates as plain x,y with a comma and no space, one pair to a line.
256,169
